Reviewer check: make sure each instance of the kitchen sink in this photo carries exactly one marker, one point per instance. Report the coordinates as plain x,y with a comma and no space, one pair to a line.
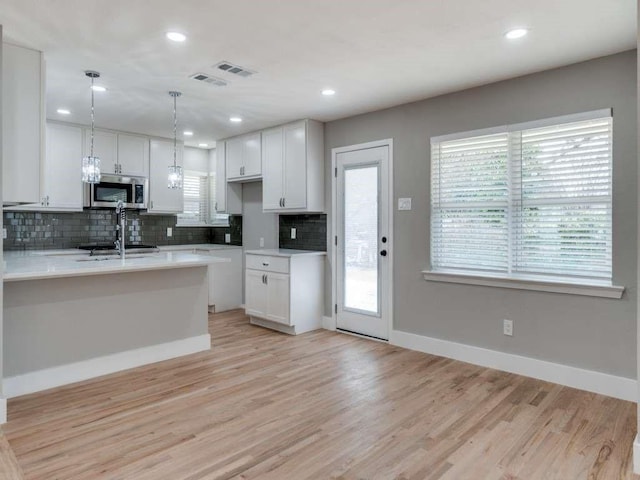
104,259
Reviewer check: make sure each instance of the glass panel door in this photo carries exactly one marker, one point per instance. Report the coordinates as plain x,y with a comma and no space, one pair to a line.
361,270
363,284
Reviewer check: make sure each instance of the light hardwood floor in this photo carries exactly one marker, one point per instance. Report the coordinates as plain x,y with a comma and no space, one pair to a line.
263,405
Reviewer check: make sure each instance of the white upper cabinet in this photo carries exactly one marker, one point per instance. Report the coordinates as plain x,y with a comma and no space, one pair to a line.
252,155
62,177
23,124
119,153
228,198
293,168
272,176
105,147
133,155
244,158
163,199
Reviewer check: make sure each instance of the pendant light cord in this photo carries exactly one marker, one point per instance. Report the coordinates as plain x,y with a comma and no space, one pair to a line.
175,129
92,115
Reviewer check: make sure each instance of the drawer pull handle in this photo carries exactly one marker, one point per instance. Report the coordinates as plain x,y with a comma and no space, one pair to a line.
265,264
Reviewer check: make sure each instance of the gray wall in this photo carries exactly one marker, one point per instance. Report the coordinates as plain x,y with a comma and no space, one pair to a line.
255,223
58,321
591,333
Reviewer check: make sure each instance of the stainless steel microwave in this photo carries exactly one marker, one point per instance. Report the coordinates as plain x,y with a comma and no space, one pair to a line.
133,191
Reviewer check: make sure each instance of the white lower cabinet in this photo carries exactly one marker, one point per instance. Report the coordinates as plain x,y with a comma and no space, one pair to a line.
285,291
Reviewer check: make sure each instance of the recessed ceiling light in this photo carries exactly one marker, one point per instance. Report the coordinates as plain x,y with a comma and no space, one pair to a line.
63,111
235,119
516,33
327,92
98,88
188,133
176,36
203,145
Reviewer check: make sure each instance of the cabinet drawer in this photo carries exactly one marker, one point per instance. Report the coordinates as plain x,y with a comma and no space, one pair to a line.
267,263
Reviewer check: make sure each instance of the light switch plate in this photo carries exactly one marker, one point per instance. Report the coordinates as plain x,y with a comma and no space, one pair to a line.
227,238
293,234
169,232
4,233
404,204
261,242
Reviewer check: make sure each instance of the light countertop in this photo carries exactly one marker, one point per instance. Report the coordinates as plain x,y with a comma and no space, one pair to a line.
43,264
283,252
199,246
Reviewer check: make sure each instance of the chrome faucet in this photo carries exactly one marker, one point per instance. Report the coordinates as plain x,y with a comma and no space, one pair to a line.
121,215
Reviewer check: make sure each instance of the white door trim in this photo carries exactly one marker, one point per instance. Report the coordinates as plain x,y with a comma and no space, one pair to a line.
333,257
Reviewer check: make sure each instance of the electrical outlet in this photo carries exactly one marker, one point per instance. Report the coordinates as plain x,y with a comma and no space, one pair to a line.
261,242
4,233
507,327
293,234
227,238
169,232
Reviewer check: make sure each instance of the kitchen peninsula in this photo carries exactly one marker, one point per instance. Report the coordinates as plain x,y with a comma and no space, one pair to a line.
70,316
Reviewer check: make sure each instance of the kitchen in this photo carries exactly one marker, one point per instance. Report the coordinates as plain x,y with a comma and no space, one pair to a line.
221,251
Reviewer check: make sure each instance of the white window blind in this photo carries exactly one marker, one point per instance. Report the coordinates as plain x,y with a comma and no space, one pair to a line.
196,199
524,201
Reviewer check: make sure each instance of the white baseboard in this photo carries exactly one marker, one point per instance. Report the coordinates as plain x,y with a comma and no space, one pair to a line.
589,380
636,455
3,410
75,372
328,323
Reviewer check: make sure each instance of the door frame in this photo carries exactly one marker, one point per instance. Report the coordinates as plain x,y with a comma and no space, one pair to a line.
334,229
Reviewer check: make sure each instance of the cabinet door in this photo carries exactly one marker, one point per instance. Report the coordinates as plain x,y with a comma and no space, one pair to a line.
221,178
22,124
278,298
62,172
234,154
252,158
105,147
255,293
163,199
273,163
133,154
225,279
295,166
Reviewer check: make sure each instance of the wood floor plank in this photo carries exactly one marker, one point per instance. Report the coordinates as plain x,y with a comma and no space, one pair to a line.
264,405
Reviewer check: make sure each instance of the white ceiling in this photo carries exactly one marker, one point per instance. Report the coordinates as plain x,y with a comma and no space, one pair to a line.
374,53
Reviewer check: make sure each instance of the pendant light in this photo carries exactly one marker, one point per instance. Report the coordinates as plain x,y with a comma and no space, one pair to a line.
175,171
91,163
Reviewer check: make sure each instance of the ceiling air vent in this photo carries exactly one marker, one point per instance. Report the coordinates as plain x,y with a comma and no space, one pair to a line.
202,77
235,69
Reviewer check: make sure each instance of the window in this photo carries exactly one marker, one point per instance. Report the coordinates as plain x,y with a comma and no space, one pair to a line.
199,208
196,199
525,201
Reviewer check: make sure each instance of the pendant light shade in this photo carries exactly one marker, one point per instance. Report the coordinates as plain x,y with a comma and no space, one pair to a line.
175,171
91,163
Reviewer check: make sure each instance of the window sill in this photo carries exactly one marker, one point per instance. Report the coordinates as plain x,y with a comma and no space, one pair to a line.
604,291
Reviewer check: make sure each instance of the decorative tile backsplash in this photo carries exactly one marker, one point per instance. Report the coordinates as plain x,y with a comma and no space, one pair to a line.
311,232
40,230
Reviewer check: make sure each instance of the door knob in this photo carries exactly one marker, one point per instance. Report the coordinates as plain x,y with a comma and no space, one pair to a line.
383,253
